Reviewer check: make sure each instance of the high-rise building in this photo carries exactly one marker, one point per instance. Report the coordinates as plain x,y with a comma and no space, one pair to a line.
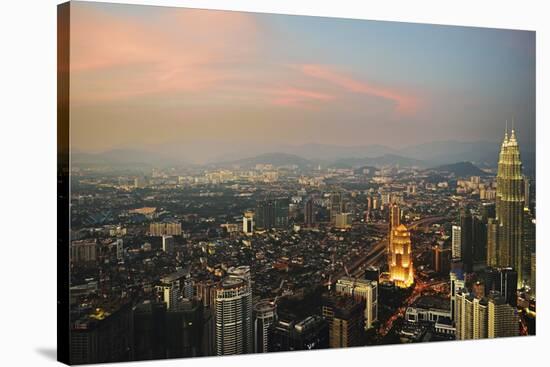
362,289
467,240
504,281
372,273
84,251
165,228
503,319
400,257
510,202
345,316
265,315
184,329
488,317
248,223
103,336
336,205
527,192
310,333
233,320
272,213
456,245
149,330
441,259
457,285
175,287
471,317
533,274
309,213
487,211
168,244
492,242
343,220
528,244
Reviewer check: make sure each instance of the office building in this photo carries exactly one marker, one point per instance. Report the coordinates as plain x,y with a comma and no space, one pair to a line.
265,316
165,228
336,206
309,213
503,281
168,244
529,245
343,220
272,213
456,245
492,242
345,316
175,287
248,223
441,259
84,252
361,289
457,285
503,319
307,334
104,335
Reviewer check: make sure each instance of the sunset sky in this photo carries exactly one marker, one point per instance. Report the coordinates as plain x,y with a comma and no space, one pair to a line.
146,77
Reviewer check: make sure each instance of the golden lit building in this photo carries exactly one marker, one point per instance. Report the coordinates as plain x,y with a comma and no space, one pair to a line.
400,257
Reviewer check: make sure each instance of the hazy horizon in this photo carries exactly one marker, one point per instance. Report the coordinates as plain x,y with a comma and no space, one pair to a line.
145,77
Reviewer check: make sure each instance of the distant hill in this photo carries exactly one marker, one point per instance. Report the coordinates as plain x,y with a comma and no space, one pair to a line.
276,159
460,169
384,160
123,157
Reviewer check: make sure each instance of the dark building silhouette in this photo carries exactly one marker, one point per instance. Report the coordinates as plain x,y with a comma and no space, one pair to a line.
309,213
345,317
441,259
149,332
184,330
372,273
102,336
504,281
272,213
309,333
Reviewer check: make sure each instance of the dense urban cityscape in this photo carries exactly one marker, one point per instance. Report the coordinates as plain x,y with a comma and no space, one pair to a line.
234,182
256,256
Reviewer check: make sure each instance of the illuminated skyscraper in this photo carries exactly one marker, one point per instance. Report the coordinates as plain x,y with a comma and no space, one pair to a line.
400,259
393,222
510,202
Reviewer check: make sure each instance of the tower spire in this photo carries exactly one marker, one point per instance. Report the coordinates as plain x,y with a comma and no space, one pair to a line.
506,133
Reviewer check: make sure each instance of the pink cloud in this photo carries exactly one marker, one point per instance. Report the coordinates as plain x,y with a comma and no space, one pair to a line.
298,97
114,57
404,103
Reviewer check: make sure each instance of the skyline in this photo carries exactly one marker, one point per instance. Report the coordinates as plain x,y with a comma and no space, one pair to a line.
290,80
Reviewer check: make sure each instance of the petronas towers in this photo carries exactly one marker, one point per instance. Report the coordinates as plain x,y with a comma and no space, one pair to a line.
510,203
